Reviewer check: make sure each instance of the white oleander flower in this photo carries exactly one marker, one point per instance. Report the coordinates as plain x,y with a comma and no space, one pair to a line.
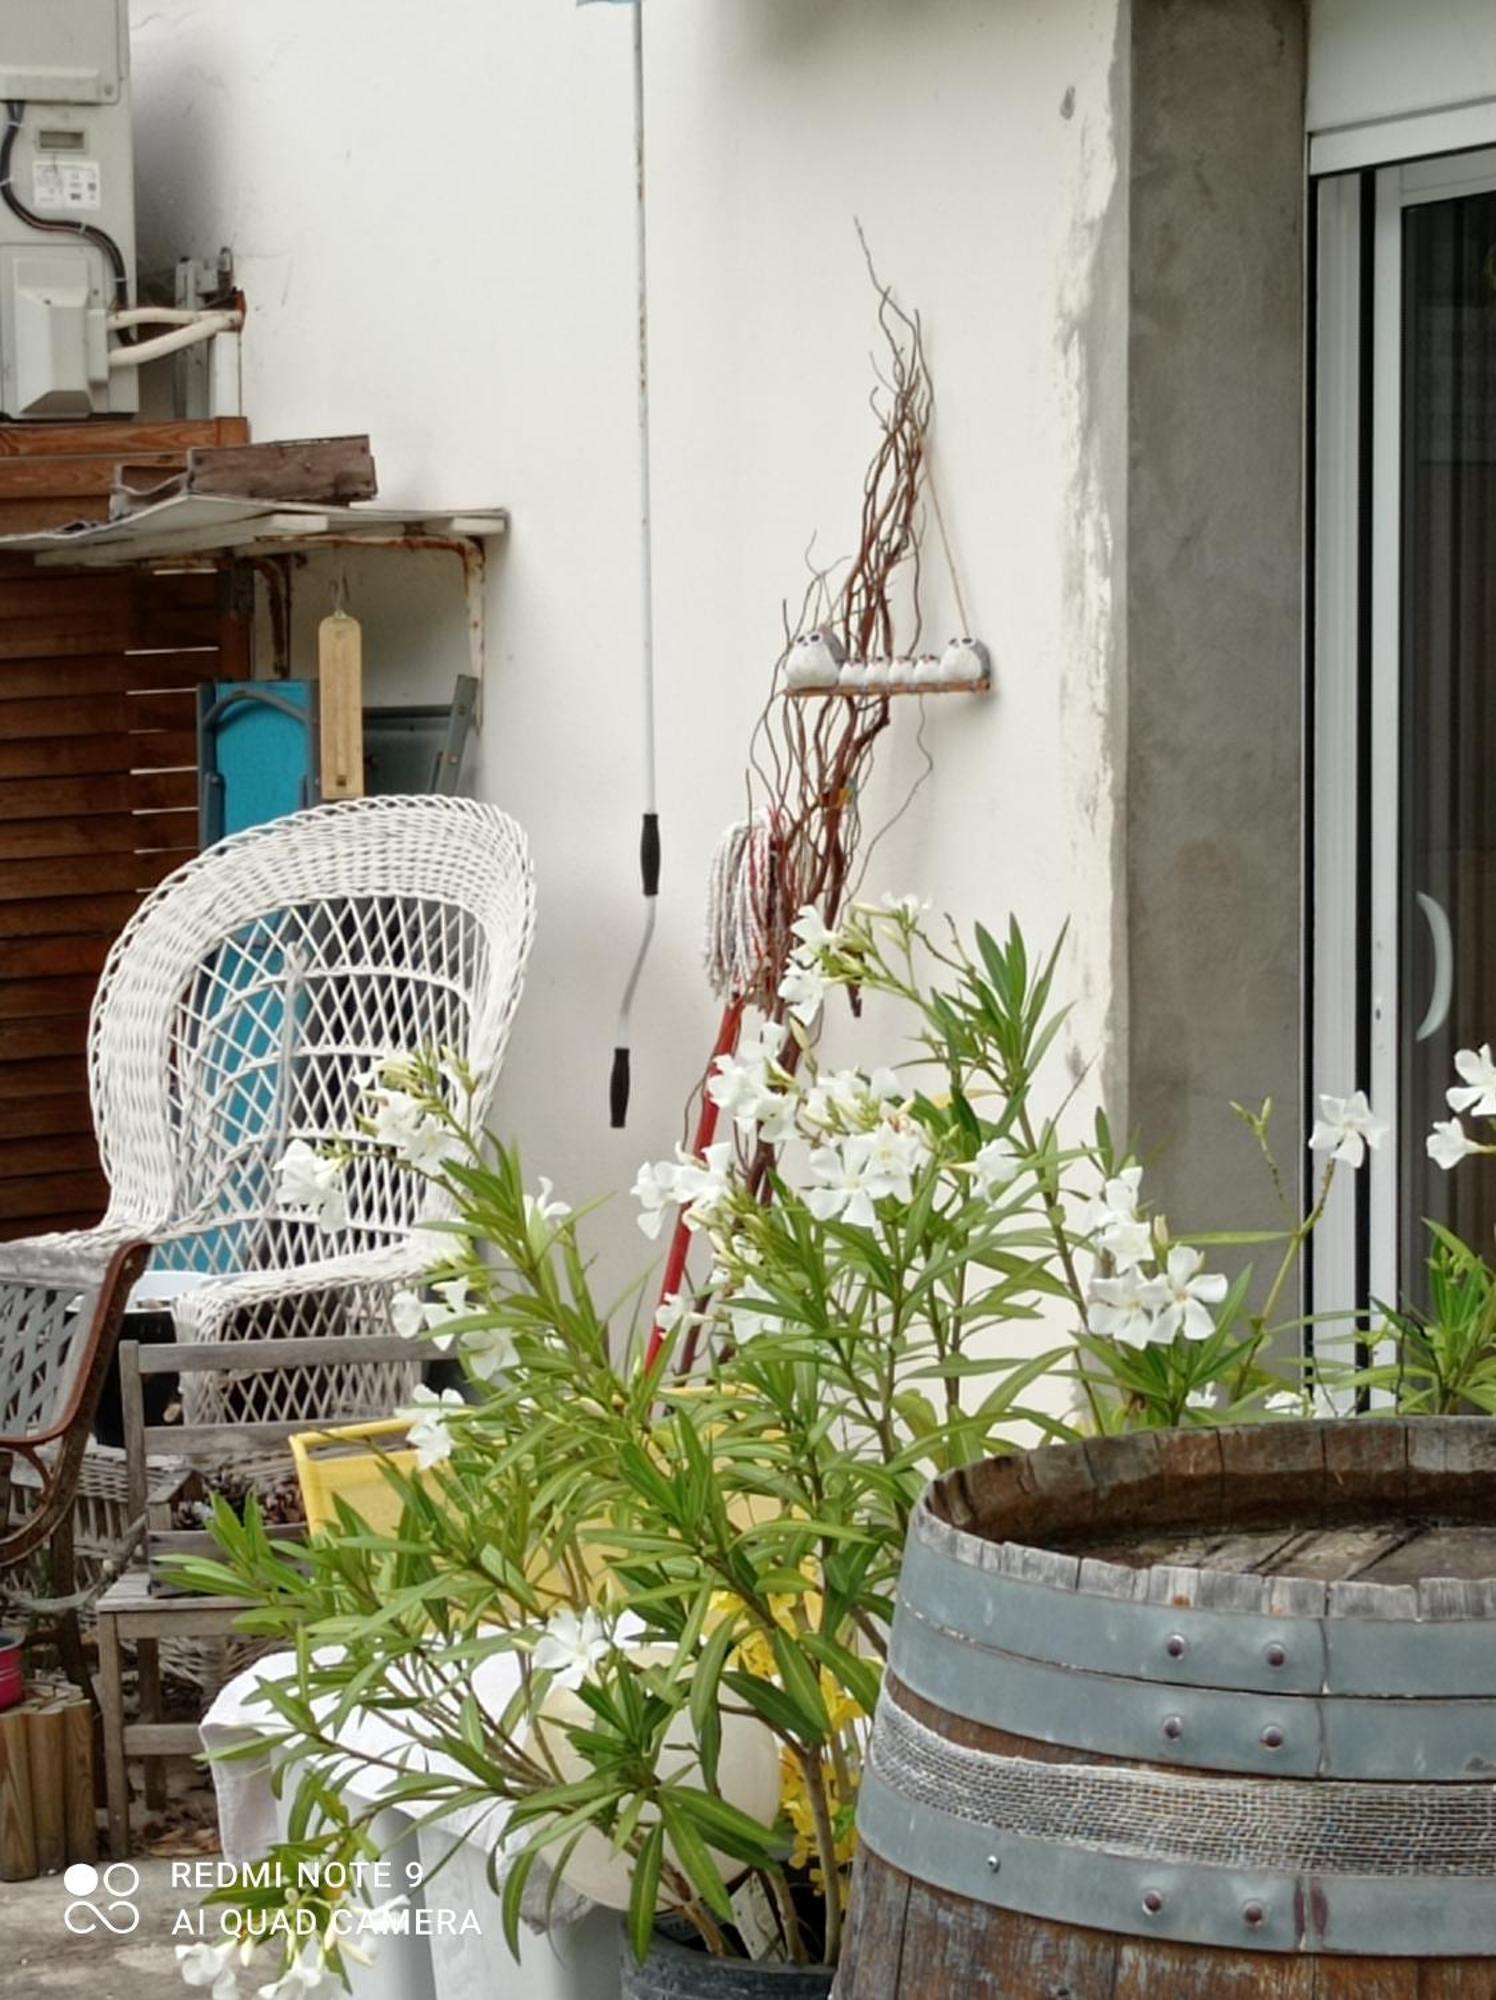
545,1209
1182,1293
1128,1244
909,909
994,1167
571,1648
676,1312
305,1978
886,1160
1477,1094
654,1190
1449,1143
313,1181
1117,1203
408,1314
702,1184
203,1964
1124,1308
838,1189
814,935
1346,1127
489,1351
427,1423
1288,1403
803,989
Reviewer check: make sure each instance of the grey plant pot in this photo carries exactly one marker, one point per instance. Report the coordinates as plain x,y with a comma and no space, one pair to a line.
675,1971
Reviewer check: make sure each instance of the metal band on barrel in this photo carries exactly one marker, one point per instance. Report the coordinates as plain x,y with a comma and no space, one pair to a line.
1375,1870
1413,1658
1207,1729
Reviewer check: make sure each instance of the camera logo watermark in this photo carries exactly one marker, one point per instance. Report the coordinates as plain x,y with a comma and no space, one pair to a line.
115,1885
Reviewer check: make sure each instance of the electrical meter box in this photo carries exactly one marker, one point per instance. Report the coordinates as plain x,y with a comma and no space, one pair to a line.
67,207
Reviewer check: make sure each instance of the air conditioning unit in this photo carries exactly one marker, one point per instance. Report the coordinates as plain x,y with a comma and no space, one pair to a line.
67,207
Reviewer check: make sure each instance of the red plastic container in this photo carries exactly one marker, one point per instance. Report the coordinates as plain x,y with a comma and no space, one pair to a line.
12,1686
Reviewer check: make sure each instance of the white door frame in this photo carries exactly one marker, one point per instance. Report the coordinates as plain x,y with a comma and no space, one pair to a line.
1355,914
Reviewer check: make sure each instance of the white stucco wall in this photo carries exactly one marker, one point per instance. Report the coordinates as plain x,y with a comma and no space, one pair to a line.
431,213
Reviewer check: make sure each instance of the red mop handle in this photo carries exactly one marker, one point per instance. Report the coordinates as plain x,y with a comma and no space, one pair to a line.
706,1126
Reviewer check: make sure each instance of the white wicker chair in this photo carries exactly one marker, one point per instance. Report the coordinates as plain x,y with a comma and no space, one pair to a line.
238,1011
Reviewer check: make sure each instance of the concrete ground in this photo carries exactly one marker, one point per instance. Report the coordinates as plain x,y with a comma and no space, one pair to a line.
40,1957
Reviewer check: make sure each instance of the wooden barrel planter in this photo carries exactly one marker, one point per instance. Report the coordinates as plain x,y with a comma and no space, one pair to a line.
1207,1713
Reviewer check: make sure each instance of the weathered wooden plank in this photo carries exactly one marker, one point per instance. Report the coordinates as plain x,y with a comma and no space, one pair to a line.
40,1194
172,708
163,791
174,832
44,591
43,1116
57,916
20,1041
68,756
1272,1472
97,833
74,1153
181,668
41,999
61,716
338,470
56,1076
85,674
1367,1979
164,750
81,875
1151,1969
91,475
875,1944
117,439
42,958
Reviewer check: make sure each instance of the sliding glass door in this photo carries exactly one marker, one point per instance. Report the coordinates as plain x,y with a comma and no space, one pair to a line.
1404,867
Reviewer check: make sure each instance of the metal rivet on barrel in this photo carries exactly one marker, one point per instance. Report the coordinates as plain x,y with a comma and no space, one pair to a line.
1173,1727
1176,1645
1272,1737
994,1862
1276,1654
1153,1902
1253,1915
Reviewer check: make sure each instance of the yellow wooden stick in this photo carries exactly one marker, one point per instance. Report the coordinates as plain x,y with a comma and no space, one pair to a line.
340,673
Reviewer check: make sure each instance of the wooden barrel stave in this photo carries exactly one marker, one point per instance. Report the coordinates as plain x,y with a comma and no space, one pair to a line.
1347,1566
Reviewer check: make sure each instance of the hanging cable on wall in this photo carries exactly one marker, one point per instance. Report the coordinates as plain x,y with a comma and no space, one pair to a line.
649,834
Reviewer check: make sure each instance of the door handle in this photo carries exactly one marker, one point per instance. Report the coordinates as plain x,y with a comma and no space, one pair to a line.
1441,938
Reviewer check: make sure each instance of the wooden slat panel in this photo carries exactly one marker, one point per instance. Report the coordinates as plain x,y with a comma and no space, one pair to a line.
70,1153
57,1076
38,1116
42,1194
67,756
173,831
45,958
36,517
120,440
43,1225
175,589
62,478
22,1041
175,708
61,717
169,627
163,791
165,750
54,918
90,673
182,669
99,833
81,876
48,798
60,596
39,999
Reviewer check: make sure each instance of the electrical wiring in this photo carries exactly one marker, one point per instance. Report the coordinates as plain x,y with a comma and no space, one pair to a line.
15,109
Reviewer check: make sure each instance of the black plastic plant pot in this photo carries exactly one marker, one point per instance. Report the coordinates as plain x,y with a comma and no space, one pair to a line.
676,1970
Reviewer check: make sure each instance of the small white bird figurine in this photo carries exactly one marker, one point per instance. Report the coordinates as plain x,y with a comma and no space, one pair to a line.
813,661
879,671
927,671
853,674
966,662
900,670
